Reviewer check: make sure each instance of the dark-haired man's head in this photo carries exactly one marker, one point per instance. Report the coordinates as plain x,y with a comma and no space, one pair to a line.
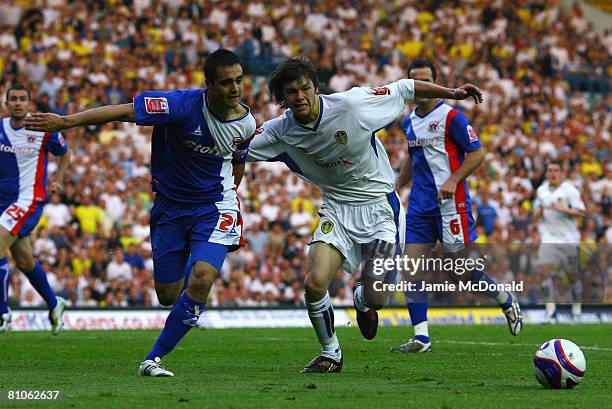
18,101
554,172
224,79
422,70
294,85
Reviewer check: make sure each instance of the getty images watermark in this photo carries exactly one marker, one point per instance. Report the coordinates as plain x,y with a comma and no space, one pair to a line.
451,265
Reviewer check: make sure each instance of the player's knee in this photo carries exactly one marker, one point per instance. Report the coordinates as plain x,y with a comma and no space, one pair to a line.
167,298
25,264
168,294
202,276
314,286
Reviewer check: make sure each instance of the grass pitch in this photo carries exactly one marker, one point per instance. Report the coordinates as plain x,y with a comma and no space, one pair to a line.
470,367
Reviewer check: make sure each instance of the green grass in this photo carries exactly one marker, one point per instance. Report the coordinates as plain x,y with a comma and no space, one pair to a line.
471,367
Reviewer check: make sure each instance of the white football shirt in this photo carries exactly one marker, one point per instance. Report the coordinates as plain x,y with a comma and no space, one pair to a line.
554,226
340,153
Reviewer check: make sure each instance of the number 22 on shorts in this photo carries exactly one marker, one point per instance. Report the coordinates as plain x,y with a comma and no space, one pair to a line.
227,221
15,212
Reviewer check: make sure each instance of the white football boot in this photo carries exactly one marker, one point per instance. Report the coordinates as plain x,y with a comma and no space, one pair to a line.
153,367
5,321
413,346
514,316
56,316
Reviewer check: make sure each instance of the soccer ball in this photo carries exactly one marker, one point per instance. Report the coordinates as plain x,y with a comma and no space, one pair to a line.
559,364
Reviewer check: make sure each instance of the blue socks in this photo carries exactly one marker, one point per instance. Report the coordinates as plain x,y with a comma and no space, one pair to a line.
38,279
5,280
182,318
416,302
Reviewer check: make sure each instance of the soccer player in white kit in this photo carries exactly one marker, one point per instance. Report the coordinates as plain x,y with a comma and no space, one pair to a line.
557,207
329,140
23,193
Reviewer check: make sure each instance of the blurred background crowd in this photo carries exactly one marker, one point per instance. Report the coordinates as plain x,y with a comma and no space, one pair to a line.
544,70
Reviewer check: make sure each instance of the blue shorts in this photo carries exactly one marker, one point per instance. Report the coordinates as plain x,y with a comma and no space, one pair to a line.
20,218
203,231
454,231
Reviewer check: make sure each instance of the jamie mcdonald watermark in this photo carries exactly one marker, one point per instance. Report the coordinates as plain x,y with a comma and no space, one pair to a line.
449,286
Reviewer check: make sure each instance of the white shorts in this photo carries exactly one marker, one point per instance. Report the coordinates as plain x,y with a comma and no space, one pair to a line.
347,227
565,257
21,217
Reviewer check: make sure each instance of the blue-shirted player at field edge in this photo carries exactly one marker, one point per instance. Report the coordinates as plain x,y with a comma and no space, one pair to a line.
444,150
200,138
23,182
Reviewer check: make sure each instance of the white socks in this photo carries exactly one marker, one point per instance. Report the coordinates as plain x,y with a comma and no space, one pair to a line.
321,316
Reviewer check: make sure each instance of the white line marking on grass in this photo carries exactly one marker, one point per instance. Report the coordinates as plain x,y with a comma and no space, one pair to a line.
450,341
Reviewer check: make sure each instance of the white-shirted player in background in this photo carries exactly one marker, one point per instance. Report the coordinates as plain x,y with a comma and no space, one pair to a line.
23,183
443,151
329,140
557,207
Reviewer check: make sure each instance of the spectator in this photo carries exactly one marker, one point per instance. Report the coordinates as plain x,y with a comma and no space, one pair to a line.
118,268
487,215
89,216
57,213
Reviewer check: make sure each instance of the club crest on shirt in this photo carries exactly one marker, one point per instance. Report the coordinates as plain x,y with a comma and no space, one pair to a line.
31,138
472,133
380,91
156,105
327,226
341,137
433,126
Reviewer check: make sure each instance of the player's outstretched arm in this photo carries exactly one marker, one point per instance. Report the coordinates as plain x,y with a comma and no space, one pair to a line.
47,122
423,89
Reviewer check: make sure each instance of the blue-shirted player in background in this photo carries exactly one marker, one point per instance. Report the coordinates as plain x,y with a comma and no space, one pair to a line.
444,150
200,138
23,193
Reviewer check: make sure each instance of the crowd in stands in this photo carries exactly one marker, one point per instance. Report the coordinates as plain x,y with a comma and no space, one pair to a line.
544,70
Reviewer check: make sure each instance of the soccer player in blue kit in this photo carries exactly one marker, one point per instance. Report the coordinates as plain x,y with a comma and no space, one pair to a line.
200,138
444,150
23,182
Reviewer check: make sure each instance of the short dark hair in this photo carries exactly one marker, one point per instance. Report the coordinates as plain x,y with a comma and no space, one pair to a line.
17,87
220,58
290,70
555,162
423,63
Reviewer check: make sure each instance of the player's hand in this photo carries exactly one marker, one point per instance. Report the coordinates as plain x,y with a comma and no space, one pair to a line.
468,90
46,122
447,190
